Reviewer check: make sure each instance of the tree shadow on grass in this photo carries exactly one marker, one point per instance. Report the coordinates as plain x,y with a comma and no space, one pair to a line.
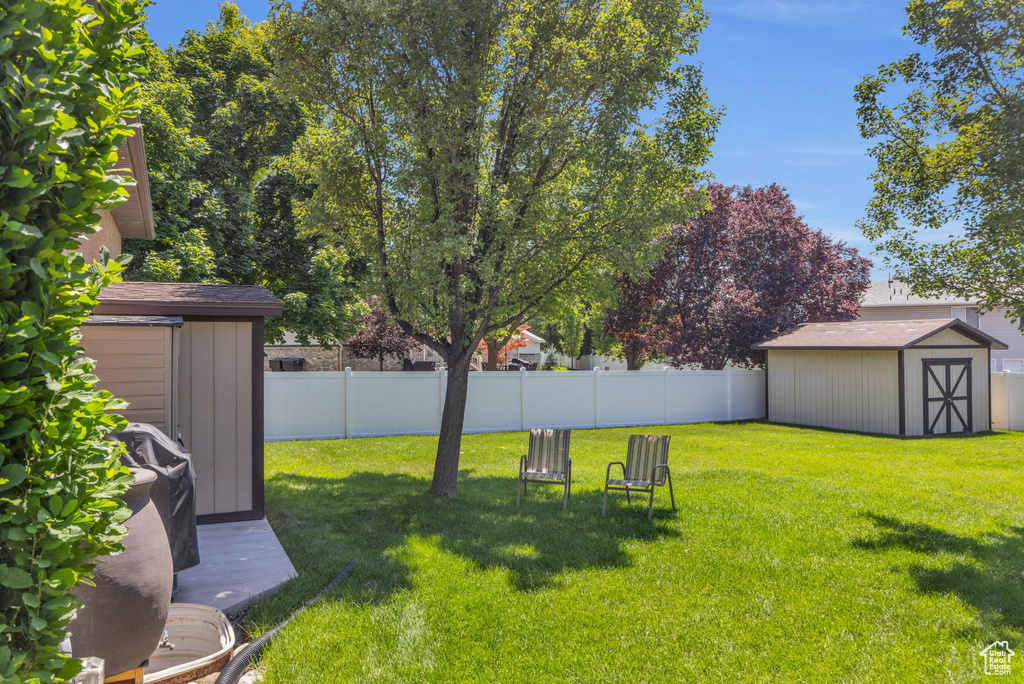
985,572
368,516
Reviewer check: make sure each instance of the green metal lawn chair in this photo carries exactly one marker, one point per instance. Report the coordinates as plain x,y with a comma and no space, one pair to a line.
546,462
646,467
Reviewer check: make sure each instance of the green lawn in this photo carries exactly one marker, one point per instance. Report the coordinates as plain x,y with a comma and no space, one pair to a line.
797,555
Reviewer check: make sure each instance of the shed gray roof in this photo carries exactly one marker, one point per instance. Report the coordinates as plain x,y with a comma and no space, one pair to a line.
896,293
876,335
177,299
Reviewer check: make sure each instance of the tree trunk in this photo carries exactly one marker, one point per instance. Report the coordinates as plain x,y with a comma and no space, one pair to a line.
381,357
446,464
494,347
492,353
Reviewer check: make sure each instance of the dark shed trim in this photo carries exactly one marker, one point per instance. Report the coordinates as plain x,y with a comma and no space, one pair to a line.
901,375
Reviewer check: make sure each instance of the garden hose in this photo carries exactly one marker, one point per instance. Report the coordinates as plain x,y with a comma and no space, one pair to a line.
242,660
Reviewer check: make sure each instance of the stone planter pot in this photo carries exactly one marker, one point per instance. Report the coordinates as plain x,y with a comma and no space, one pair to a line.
122,617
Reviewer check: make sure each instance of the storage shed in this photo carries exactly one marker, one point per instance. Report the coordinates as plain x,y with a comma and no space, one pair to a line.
927,377
189,359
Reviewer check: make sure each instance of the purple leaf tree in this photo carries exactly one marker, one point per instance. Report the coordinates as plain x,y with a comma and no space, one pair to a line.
744,271
379,337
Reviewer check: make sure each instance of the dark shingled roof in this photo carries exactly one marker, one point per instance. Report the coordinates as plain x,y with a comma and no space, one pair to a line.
177,299
880,335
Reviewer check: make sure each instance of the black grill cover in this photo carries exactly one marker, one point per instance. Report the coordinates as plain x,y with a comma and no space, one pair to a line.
173,493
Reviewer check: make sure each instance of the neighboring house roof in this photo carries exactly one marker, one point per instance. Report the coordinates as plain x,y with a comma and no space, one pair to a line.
535,338
134,217
176,299
874,335
896,293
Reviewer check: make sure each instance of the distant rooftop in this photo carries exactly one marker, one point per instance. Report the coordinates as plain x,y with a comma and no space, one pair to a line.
880,335
896,293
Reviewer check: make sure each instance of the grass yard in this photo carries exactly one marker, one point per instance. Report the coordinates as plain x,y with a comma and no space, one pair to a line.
797,555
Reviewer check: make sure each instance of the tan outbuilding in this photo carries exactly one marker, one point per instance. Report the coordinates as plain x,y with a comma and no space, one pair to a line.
189,359
912,378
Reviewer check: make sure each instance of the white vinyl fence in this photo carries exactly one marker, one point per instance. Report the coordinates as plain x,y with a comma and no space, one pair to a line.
1008,401
331,405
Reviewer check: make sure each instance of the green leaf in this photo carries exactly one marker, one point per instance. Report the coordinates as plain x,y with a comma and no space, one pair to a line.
14,578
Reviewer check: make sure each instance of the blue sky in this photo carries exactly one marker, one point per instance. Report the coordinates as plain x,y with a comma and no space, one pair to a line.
785,71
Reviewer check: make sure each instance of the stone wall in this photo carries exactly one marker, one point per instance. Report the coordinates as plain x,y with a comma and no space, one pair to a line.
333,359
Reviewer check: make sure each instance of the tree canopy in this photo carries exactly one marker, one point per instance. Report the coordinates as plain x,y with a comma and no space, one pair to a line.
950,151
492,154
218,140
736,275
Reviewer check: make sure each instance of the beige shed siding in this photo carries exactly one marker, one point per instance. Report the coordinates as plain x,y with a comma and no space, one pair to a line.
215,403
844,390
914,384
135,363
949,337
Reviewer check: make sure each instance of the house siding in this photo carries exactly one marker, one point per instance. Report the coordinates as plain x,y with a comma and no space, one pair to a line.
107,236
992,323
904,313
1006,330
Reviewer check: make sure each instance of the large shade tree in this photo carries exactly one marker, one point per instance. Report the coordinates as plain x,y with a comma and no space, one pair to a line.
219,139
736,275
492,154
948,203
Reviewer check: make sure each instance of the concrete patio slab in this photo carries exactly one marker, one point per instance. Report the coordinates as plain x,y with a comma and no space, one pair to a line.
240,563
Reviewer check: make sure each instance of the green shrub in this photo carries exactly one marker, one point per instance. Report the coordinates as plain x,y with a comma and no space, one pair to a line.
67,83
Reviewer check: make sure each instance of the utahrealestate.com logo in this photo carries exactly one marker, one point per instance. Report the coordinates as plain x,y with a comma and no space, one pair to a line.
997,658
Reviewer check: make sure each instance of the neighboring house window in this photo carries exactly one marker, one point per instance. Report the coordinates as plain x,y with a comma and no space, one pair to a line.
967,314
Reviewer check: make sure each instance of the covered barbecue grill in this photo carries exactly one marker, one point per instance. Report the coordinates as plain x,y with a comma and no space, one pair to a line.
173,493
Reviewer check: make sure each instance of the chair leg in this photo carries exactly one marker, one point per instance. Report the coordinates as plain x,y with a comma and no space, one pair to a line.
627,496
565,496
671,495
519,489
650,506
604,506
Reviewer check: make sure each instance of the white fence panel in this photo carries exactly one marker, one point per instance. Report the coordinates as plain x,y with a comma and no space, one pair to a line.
378,399
311,408
494,402
1008,401
631,398
698,396
558,399
322,405
748,395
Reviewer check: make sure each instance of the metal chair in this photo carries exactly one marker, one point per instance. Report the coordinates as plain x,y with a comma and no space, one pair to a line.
546,462
646,467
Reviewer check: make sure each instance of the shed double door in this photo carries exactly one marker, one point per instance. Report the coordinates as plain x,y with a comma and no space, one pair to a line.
947,396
